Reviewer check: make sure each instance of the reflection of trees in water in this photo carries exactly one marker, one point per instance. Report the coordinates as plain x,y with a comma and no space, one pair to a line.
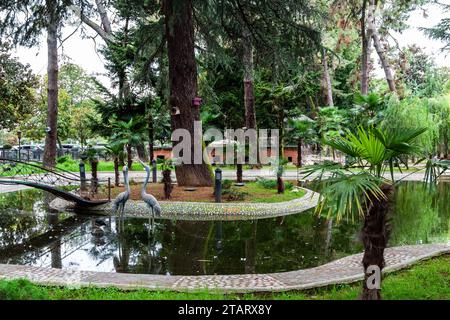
420,215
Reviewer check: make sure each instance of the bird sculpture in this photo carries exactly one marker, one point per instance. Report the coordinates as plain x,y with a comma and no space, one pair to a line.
150,200
121,200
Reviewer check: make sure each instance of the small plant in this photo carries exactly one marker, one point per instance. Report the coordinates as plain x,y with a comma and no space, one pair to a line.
234,194
167,167
226,184
64,159
272,184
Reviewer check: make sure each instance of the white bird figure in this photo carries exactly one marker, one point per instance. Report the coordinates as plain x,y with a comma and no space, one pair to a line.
121,200
150,200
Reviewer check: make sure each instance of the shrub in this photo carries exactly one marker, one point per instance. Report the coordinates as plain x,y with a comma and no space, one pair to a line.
234,194
272,184
226,184
64,159
21,289
7,146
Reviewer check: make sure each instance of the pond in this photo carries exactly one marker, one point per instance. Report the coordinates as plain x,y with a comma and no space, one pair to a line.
30,234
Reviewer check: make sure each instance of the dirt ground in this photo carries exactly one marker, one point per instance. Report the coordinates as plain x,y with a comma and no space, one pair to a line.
201,194
178,193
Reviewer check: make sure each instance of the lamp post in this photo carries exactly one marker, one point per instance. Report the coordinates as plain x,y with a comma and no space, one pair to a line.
19,136
218,185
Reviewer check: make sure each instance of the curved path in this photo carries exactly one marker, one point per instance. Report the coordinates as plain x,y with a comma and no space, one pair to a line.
344,270
204,211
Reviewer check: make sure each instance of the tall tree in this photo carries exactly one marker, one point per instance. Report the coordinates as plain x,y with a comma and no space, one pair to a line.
23,22
183,84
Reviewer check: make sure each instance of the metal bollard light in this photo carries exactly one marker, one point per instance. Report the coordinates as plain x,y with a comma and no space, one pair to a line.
154,171
83,176
218,185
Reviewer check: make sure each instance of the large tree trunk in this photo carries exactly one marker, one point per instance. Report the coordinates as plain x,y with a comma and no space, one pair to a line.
249,98
327,80
151,138
299,153
183,85
365,54
52,90
375,236
373,32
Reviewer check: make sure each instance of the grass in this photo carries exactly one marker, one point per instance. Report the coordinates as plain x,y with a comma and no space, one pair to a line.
260,194
428,280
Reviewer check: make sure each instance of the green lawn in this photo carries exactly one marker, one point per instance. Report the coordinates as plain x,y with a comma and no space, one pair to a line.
424,281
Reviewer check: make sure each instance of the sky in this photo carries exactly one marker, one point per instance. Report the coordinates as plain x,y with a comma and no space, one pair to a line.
83,52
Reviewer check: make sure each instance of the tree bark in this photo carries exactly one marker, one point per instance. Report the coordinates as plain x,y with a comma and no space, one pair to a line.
116,172
372,30
249,97
151,138
299,153
129,156
183,85
52,90
375,236
239,173
327,80
365,55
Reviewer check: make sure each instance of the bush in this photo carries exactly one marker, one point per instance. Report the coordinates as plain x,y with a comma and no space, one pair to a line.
64,159
234,194
7,146
272,184
226,184
21,289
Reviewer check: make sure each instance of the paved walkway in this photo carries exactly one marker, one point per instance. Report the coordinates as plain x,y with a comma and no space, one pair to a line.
344,270
252,174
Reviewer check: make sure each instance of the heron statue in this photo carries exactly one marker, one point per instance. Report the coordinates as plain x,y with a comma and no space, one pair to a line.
121,200
150,200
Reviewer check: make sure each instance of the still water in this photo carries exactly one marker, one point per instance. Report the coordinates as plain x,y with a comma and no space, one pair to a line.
32,235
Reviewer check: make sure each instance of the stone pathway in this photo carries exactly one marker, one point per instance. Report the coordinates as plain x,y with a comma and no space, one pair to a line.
206,211
344,270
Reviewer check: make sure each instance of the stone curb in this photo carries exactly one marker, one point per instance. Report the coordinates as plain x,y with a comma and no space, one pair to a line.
206,211
345,270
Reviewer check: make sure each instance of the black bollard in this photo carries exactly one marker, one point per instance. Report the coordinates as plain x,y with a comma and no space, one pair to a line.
218,186
154,171
83,176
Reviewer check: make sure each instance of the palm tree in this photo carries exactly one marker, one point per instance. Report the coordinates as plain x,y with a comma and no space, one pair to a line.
365,193
129,134
301,130
115,148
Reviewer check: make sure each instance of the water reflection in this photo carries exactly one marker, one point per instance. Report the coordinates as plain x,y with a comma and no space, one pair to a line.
31,235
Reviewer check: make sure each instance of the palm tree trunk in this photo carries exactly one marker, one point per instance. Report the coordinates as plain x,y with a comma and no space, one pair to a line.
299,153
129,156
116,172
374,236
239,172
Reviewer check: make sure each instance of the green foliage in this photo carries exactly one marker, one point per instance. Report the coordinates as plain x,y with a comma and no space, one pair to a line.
235,194
22,289
17,99
272,184
226,184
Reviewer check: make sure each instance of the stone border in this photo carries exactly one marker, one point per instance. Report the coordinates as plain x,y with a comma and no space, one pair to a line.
206,211
345,270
